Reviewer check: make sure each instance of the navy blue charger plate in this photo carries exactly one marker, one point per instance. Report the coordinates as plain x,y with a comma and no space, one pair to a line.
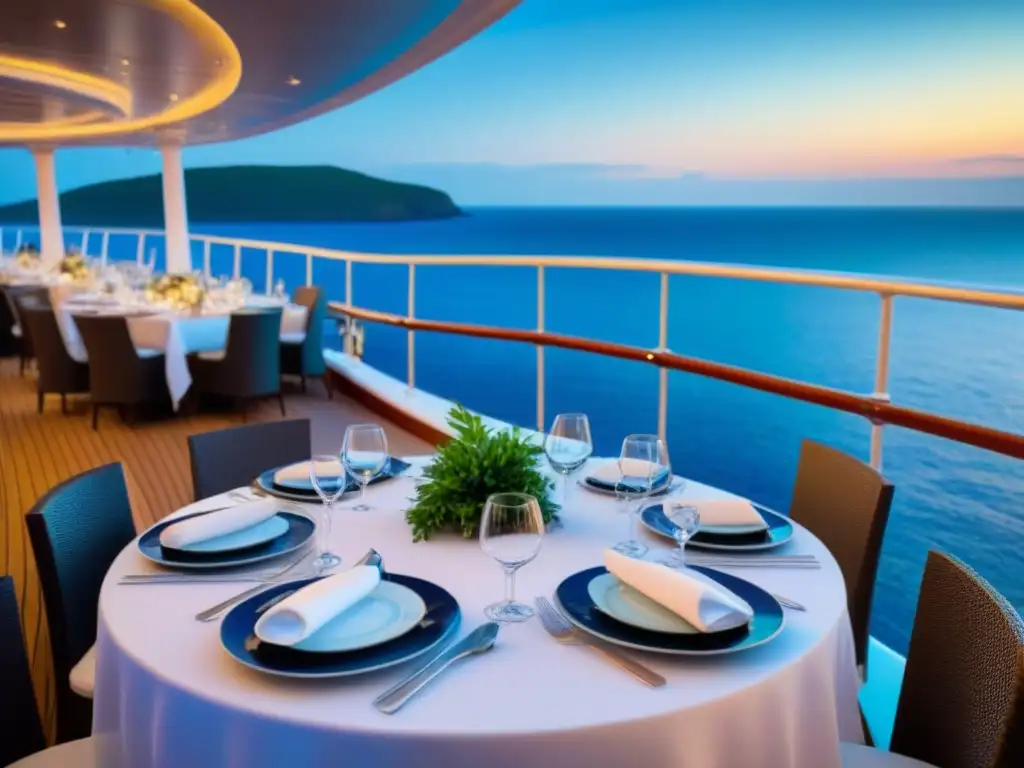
779,531
574,599
440,622
300,531
304,491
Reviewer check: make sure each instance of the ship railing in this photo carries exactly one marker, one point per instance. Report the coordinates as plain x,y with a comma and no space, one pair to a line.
875,406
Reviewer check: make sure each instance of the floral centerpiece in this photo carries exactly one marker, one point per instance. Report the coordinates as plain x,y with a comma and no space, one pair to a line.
74,267
176,291
27,255
476,463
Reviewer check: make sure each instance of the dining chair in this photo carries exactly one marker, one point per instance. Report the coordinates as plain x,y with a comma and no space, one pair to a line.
21,730
76,530
59,373
302,354
962,700
14,295
120,375
845,503
233,457
250,367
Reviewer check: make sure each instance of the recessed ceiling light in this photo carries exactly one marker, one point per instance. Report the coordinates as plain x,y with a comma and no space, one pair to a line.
125,62
293,80
173,97
59,24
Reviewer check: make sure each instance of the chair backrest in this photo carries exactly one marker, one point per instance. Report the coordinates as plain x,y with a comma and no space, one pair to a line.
312,297
252,361
21,731
962,701
116,373
845,503
229,458
76,530
58,372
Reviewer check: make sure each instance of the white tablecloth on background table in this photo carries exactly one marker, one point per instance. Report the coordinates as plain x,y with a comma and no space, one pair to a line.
168,695
175,334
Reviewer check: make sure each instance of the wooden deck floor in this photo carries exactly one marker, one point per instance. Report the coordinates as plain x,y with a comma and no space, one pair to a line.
38,451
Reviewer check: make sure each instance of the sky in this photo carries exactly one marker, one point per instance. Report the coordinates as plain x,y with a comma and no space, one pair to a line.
662,102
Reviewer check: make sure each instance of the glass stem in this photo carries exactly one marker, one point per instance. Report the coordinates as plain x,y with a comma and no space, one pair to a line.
325,529
510,585
362,493
565,490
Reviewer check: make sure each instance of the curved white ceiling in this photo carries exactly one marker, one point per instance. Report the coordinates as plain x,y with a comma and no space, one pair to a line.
128,71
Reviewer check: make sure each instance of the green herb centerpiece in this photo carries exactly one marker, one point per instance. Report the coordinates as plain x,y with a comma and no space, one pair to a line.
476,463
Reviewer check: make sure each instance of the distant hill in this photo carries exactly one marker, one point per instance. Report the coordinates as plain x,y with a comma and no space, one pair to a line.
247,193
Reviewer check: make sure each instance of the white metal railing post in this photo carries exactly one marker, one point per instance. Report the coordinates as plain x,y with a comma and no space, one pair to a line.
1,240
206,257
270,271
309,269
17,238
541,426
237,269
85,242
104,247
347,345
140,249
411,335
881,393
663,347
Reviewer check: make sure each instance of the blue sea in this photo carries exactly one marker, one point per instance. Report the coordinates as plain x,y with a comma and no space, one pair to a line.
958,360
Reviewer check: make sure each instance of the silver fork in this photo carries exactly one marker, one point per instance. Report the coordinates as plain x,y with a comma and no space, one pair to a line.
560,629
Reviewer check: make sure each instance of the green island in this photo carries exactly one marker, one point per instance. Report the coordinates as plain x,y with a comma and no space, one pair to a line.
246,193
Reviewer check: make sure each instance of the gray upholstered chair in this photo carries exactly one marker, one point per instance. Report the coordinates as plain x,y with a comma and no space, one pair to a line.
845,503
303,354
76,530
59,373
962,701
233,457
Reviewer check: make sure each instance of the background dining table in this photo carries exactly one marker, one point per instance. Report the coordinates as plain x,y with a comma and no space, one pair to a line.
167,694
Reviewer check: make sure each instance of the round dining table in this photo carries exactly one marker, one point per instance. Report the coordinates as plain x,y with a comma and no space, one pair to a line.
168,695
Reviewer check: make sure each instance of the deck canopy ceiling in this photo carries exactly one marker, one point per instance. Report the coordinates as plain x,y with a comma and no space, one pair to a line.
138,72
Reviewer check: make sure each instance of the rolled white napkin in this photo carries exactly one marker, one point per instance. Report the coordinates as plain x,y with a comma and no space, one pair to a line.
708,607
611,472
297,617
300,470
728,513
216,524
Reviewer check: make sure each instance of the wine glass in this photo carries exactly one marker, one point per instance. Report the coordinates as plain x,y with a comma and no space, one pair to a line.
327,476
280,290
568,446
364,453
511,531
643,460
685,519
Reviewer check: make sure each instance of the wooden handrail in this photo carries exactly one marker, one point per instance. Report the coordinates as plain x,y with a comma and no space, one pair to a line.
1006,443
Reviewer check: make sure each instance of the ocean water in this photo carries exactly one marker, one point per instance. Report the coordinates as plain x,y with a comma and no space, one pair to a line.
958,360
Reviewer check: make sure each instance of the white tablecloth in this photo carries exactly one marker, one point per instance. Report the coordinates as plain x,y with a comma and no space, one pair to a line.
175,334
168,695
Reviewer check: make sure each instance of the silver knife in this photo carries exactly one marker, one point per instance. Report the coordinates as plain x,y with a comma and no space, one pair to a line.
479,640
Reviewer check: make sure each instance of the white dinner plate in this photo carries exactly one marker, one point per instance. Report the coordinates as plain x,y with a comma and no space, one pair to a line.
622,602
389,611
253,536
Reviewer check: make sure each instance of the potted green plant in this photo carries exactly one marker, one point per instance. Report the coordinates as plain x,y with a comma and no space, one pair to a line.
475,463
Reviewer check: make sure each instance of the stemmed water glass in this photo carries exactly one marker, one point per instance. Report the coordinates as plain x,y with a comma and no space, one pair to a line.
511,531
327,476
568,446
685,519
364,453
643,459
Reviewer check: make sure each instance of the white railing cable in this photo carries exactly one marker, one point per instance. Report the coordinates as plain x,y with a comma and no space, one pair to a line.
85,242
881,392
541,425
206,257
236,269
411,334
309,269
140,249
104,247
270,272
17,239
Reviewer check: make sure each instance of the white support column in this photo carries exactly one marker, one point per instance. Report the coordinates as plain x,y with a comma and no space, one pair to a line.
179,257
50,232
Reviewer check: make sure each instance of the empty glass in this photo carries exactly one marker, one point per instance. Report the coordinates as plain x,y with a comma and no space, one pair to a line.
364,453
642,461
280,291
327,476
685,519
511,531
568,446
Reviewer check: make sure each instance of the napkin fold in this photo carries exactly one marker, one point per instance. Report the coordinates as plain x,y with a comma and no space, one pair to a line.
610,474
215,524
728,513
707,606
297,617
300,470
